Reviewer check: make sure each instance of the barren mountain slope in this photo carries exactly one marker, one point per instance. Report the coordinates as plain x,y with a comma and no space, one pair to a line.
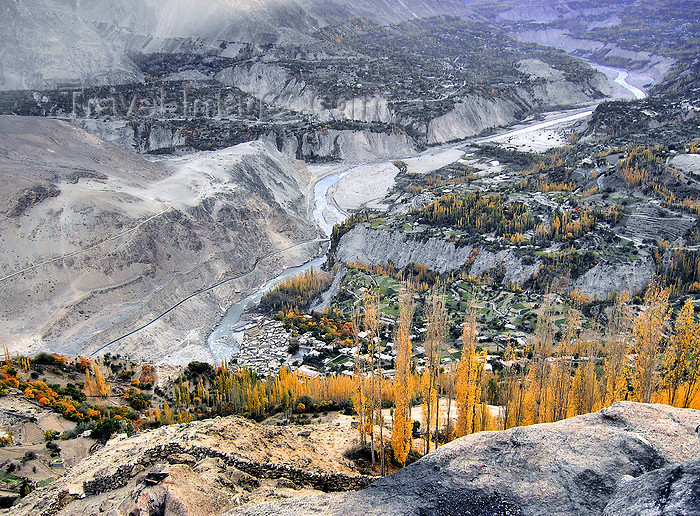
47,42
97,241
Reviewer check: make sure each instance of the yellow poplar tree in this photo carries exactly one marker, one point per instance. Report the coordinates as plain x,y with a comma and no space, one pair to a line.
466,378
402,427
678,357
648,333
102,388
371,325
616,347
436,323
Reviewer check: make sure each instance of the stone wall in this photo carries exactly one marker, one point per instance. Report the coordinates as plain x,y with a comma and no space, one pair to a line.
175,453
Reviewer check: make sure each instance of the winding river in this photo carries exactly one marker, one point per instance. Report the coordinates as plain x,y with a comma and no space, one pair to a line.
225,339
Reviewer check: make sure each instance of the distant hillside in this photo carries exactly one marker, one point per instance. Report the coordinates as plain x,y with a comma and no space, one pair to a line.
48,42
97,241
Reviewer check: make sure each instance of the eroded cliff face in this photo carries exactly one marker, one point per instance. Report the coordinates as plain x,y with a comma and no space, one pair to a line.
648,67
97,241
277,86
377,247
571,467
209,467
473,114
351,146
44,43
669,491
606,278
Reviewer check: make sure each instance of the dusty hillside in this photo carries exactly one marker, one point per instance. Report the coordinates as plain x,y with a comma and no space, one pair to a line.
206,467
569,467
47,42
97,242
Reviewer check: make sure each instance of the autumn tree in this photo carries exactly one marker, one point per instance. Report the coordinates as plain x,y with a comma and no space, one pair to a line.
616,348
466,378
360,401
648,332
97,385
371,325
680,360
402,426
536,397
436,325
559,381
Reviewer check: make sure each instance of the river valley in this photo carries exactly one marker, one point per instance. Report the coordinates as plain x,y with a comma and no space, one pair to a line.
365,185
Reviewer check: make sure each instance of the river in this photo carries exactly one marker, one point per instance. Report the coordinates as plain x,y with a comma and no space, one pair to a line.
225,339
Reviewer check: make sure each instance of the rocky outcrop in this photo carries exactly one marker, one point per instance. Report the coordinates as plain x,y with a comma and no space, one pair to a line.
176,453
277,86
377,247
347,145
202,468
669,491
571,467
473,114
44,43
605,278
651,66
512,266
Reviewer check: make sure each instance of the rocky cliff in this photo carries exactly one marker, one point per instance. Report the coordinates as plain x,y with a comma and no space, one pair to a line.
472,114
605,278
97,242
352,146
377,247
276,85
673,490
628,453
647,66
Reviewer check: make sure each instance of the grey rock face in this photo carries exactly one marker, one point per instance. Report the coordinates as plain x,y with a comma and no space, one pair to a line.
374,247
377,247
670,491
605,278
47,42
344,145
651,65
276,85
514,269
567,468
96,241
473,114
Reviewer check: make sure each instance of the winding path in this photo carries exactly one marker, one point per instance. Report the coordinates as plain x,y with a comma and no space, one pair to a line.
85,249
206,289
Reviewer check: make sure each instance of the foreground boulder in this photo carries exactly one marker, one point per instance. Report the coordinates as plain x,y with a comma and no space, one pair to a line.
569,467
669,491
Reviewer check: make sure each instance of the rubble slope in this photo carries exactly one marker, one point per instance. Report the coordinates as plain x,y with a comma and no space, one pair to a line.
203,467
